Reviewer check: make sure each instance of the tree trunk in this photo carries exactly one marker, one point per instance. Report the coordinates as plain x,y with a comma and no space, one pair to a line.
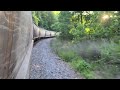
81,18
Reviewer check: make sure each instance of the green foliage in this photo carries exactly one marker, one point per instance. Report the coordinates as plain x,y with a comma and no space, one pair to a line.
80,25
83,67
44,19
82,57
65,52
55,26
78,31
35,17
110,53
64,24
66,55
81,21
109,63
96,37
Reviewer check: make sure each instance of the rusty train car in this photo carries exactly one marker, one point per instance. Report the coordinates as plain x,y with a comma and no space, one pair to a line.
42,33
17,35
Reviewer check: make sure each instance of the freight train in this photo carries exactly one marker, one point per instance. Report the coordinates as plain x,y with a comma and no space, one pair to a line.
42,33
17,35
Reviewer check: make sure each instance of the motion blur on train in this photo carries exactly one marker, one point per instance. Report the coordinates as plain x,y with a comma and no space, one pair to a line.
17,32
40,33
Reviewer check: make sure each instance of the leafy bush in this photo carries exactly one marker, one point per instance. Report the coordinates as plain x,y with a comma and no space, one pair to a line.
81,56
83,67
110,52
35,17
67,55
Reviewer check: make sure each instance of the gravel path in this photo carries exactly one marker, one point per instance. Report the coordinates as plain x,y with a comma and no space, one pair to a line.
46,65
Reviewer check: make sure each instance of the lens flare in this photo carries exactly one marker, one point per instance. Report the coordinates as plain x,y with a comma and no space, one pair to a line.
105,17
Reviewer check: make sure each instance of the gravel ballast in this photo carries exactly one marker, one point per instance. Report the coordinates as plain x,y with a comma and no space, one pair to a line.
47,65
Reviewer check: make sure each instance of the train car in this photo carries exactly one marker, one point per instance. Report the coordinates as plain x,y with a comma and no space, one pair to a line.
52,34
42,32
39,32
16,34
47,33
36,32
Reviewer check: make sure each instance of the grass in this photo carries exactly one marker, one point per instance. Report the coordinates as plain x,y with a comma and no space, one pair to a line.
68,54
82,67
92,59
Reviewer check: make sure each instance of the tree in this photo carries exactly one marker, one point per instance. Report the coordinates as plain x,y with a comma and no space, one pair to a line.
64,24
44,19
35,17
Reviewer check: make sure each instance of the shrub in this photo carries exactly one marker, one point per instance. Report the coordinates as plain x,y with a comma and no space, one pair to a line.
83,67
110,52
67,55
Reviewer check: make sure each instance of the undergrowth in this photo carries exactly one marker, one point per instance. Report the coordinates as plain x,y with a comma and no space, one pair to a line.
98,59
69,55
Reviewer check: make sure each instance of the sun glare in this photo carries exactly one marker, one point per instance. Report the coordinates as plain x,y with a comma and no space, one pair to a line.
105,17
56,12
